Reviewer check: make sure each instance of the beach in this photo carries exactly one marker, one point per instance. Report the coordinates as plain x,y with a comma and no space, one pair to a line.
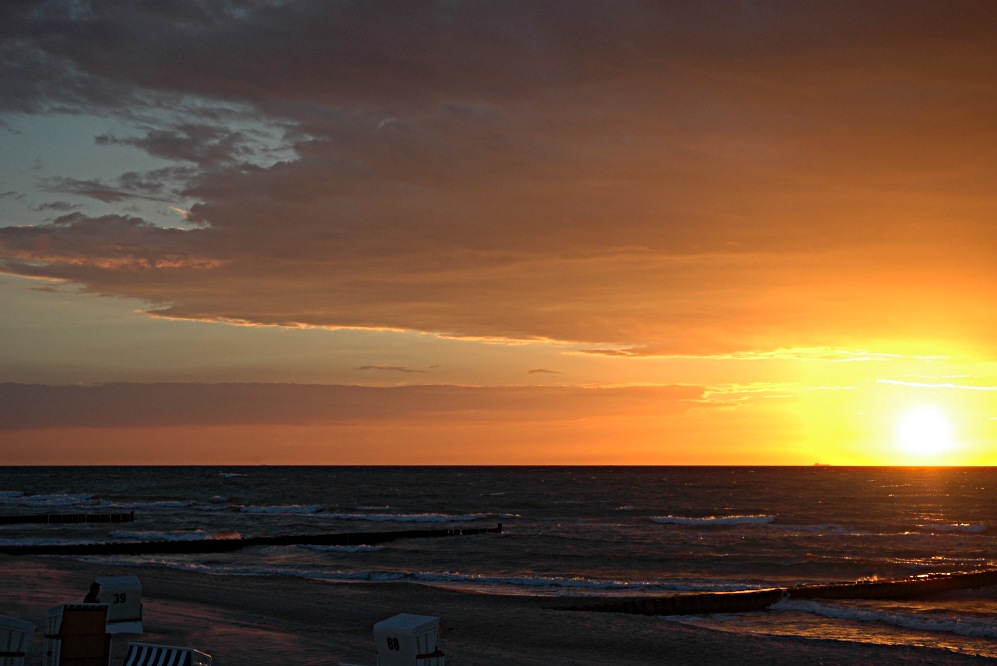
283,620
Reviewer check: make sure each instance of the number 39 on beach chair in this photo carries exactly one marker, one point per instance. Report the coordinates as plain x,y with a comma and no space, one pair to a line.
146,654
123,596
15,636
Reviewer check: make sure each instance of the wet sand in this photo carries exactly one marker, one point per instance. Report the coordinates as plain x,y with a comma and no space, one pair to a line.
265,620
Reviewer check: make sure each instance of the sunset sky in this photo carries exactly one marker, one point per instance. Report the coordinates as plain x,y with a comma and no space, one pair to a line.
315,232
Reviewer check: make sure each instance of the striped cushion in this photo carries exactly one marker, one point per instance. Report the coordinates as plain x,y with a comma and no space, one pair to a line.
142,654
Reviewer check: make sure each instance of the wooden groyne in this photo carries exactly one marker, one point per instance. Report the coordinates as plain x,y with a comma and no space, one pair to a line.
228,545
754,600
687,604
68,518
897,588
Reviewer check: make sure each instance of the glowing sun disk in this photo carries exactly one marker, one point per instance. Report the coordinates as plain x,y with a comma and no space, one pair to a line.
924,431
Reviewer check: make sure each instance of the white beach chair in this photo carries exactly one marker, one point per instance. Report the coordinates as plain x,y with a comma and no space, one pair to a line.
408,640
123,595
146,654
15,637
76,635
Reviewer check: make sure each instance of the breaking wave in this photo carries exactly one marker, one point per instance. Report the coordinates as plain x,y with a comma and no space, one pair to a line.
343,549
955,624
954,527
197,535
713,520
408,517
291,508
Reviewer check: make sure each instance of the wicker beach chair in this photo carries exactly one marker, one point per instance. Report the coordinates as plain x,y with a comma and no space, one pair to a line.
123,595
146,654
76,635
408,640
15,636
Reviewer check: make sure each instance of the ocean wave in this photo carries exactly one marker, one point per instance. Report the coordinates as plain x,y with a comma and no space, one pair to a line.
954,624
935,562
162,504
46,501
39,542
954,527
932,562
579,584
291,508
409,517
843,530
229,475
713,520
555,586
197,535
343,549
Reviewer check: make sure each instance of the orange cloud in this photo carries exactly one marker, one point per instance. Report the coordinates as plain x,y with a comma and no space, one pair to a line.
677,178
34,406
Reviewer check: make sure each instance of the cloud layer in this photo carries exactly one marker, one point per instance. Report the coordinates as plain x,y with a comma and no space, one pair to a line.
32,406
683,178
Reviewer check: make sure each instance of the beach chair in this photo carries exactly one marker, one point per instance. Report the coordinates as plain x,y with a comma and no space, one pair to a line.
76,635
408,640
15,637
146,654
123,595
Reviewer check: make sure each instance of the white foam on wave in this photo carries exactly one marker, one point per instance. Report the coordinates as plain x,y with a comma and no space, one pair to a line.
951,623
16,498
579,584
291,508
197,535
954,527
560,586
39,542
713,520
161,504
229,475
343,549
408,517
843,530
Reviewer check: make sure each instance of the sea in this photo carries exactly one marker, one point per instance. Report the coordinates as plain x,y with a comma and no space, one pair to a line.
570,532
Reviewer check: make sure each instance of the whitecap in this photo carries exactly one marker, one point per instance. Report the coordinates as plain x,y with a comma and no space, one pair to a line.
713,520
954,527
343,549
197,535
291,508
407,517
956,624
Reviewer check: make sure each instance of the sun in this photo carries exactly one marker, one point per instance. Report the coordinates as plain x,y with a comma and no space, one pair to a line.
924,431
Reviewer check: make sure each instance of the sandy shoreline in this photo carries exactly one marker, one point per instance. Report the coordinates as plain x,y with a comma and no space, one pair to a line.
278,620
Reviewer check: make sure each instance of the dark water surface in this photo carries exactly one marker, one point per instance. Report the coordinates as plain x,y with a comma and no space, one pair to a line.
571,531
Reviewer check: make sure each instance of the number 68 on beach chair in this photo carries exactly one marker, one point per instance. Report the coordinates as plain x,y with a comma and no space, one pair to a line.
15,636
408,640
146,654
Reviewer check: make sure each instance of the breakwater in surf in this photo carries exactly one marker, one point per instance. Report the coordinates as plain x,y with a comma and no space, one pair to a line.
913,587
573,535
67,518
228,545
